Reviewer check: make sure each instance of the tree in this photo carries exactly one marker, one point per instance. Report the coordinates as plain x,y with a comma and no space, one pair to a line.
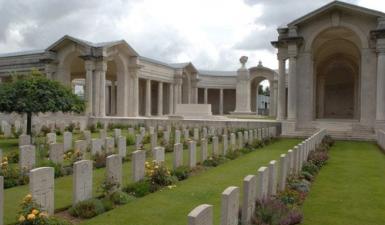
33,94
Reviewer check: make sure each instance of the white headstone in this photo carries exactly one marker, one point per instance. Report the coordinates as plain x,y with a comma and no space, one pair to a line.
249,197
109,145
230,206
196,134
233,142
201,215
158,154
166,137
27,157
114,169
215,145
262,182
240,140
192,154
67,140
87,136
290,163
204,152
138,165
51,138
246,137
204,132
283,168
178,155
82,181
122,146
272,186
96,146
24,139
56,152
154,140
131,131
41,187
177,136
186,134
7,129
117,134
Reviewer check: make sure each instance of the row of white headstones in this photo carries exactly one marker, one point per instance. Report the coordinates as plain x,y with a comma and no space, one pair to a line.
41,179
265,184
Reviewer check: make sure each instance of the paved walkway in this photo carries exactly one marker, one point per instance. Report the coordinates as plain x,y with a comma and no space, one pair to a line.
350,189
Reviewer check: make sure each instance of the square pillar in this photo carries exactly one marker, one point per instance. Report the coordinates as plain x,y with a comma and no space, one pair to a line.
148,98
88,97
205,96
100,73
221,101
171,98
160,98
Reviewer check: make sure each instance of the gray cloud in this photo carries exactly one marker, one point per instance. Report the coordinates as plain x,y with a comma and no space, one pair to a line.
276,13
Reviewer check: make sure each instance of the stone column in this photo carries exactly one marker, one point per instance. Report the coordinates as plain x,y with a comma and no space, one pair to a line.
89,67
113,98
243,89
221,101
205,96
273,98
189,90
292,83
281,106
100,73
171,99
380,109
148,98
160,99
321,98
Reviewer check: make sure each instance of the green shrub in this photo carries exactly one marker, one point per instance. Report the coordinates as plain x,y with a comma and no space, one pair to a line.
257,144
291,197
181,172
214,161
319,158
87,209
120,198
310,167
232,155
138,189
130,139
146,139
308,176
13,157
71,127
107,204
45,130
159,175
246,149
12,175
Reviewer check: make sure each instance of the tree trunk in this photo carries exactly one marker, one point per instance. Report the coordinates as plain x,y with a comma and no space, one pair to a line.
29,123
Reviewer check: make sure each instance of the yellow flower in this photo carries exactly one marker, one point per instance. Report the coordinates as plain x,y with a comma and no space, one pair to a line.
156,167
28,198
31,216
43,214
35,211
21,218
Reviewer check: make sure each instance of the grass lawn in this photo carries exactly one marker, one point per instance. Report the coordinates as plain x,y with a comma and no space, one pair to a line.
170,207
350,189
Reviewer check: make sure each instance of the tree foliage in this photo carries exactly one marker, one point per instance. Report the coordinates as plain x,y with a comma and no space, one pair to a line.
35,94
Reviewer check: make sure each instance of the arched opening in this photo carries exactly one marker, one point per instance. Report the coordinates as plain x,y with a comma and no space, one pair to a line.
260,96
337,66
77,75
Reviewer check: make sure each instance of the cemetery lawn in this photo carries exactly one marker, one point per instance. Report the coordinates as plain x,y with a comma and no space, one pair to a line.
350,188
170,207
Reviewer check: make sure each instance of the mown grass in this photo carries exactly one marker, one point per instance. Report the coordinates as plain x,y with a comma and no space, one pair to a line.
350,189
170,207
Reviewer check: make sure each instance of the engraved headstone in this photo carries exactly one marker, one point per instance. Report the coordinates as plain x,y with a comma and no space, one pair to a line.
67,140
138,141
117,134
56,152
80,146
109,145
201,215
178,155
230,206
249,197
51,138
225,144
87,136
82,181
204,152
283,168
158,154
233,142
215,146
196,134
96,146
24,139
122,146
41,187
192,154
138,165
177,136
272,186
114,170
27,157
262,182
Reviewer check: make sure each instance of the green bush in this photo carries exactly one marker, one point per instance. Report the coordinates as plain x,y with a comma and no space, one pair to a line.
291,197
310,167
130,139
107,204
257,144
120,198
214,161
232,155
146,139
13,157
181,172
99,160
87,209
308,176
138,189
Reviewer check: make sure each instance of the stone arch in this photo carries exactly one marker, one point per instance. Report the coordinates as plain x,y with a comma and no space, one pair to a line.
364,43
257,75
337,60
66,56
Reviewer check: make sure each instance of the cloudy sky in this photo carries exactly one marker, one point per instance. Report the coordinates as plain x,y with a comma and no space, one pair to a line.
212,34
